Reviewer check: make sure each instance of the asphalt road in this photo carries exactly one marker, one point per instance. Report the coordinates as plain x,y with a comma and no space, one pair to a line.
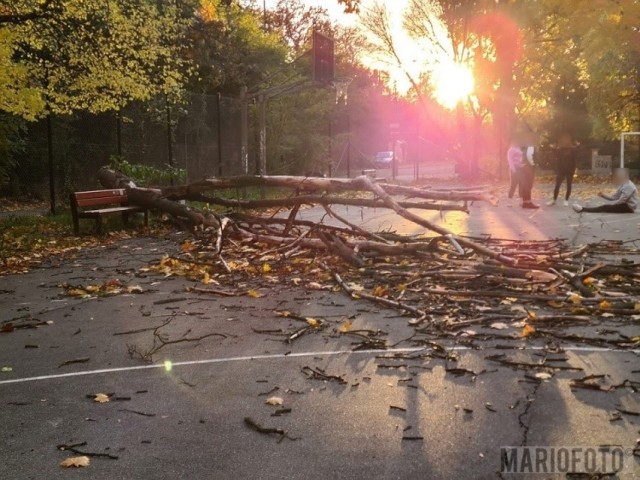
182,416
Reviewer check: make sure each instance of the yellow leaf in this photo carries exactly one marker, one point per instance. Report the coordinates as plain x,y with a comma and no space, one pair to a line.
92,288
379,291
283,313
345,327
636,307
531,314
527,331
313,322
206,279
254,294
575,299
187,246
75,462
134,289
77,292
274,401
588,280
101,398
604,305
266,268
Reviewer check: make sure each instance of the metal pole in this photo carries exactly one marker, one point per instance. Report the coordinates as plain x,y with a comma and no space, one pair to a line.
330,150
219,105
348,144
244,131
52,180
262,107
118,134
169,136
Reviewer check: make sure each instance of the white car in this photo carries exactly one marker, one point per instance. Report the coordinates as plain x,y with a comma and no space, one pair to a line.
383,159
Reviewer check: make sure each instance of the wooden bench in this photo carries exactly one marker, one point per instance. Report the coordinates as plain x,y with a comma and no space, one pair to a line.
82,201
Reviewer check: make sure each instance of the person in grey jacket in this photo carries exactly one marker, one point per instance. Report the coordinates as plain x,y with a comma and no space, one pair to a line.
625,200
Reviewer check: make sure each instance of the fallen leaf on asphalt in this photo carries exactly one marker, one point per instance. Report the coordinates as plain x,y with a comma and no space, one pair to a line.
604,305
77,292
543,376
101,398
283,313
266,268
254,294
75,462
312,322
499,326
134,289
379,291
575,299
6,369
206,278
527,331
274,401
345,327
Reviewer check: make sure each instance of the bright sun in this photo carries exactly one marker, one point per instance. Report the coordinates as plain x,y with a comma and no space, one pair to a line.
453,83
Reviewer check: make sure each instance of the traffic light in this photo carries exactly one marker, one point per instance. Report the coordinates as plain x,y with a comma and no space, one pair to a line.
323,58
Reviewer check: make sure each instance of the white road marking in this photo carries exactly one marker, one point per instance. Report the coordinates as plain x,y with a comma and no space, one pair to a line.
278,356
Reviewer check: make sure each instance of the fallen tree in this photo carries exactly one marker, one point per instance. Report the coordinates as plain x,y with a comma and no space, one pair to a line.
313,191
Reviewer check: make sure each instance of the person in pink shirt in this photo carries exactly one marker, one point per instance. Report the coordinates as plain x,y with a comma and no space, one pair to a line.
515,157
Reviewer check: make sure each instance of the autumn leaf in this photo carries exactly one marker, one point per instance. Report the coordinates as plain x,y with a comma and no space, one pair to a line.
604,305
345,327
379,291
554,304
499,326
75,462
527,331
266,268
6,369
575,299
254,294
77,292
206,279
588,280
543,376
274,401
283,313
134,289
101,398
188,246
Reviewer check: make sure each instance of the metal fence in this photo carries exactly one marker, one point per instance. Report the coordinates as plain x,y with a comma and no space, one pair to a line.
201,136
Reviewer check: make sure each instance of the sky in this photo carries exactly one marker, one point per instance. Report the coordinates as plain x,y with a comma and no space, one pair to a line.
452,82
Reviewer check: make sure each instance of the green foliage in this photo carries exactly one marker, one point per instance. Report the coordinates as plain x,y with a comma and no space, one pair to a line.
92,55
147,175
11,142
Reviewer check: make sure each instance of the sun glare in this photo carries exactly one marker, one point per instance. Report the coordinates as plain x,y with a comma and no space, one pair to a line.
453,83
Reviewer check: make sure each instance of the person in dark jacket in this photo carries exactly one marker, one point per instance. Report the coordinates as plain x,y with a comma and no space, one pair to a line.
565,167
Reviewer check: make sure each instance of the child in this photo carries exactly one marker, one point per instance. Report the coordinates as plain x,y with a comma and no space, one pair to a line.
625,200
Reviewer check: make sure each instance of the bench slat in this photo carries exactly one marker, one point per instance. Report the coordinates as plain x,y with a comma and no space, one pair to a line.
111,210
100,197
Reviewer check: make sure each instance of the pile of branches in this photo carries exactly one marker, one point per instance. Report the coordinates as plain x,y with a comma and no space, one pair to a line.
440,280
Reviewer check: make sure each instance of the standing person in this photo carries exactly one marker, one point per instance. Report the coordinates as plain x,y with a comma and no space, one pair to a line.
515,158
565,167
526,176
625,200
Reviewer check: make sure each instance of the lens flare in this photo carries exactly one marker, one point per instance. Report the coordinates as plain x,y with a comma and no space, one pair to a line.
453,83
